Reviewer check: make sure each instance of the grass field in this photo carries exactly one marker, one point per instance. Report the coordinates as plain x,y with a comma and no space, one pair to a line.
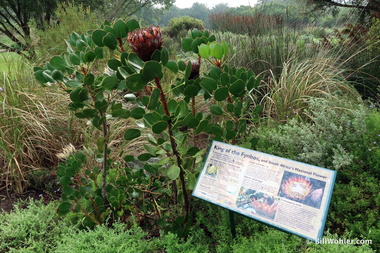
8,60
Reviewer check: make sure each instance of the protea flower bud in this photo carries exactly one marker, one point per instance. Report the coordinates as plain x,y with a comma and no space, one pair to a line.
145,41
194,69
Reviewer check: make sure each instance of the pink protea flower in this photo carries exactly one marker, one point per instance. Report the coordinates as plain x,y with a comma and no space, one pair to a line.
145,41
264,208
296,188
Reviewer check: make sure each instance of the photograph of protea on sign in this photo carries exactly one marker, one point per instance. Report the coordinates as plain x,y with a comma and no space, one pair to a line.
286,194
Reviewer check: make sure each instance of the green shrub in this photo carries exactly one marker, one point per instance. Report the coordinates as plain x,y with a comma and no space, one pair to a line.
69,18
33,229
326,141
122,239
342,136
374,35
178,27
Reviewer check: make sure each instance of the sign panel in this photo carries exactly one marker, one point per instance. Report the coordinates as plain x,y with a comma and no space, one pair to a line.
283,193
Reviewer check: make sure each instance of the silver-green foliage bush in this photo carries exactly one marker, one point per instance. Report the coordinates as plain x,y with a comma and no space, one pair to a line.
32,229
326,140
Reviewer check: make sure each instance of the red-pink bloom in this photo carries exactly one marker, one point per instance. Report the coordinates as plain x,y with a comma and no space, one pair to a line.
145,41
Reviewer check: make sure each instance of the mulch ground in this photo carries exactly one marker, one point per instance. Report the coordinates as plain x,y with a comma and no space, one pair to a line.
9,199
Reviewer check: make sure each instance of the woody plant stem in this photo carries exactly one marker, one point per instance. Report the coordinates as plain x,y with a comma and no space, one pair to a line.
174,150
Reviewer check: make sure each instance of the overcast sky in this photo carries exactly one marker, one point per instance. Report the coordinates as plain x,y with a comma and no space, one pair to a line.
211,3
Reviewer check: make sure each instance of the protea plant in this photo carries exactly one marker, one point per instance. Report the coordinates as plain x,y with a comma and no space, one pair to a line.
195,66
145,41
297,188
264,208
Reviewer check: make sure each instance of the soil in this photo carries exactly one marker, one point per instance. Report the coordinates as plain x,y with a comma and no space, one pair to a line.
9,199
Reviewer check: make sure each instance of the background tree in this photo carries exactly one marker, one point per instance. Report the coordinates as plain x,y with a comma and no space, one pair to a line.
15,17
365,6
200,11
14,22
120,8
219,8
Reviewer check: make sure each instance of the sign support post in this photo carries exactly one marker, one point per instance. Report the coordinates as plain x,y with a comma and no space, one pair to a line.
232,224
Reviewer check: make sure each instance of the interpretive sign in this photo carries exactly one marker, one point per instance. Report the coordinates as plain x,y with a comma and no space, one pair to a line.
283,193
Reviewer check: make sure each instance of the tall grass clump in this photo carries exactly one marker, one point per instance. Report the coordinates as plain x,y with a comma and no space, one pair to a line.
269,52
33,127
288,95
254,25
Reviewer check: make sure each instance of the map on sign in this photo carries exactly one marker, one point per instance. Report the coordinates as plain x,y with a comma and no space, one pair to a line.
283,193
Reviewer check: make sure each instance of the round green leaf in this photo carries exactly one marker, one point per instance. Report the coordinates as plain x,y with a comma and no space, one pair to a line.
99,53
172,66
110,82
144,157
129,158
74,59
191,181
132,25
121,113
40,77
154,98
135,62
73,83
173,172
79,95
89,56
65,180
209,84
172,105
89,79
216,109
68,190
191,91
237,87
202,126
221,94
131,134
110,41
212,38
64,208
204,51
230,135
58,63
164,56
193,123
57,75
159,127
181,65
114,64
121,29
151,70
135,82
186,44
192,151
97,37
137,113
195,33
216,50
195,44
225,79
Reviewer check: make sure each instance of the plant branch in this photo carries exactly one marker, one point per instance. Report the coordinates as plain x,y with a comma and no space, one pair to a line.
174,149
